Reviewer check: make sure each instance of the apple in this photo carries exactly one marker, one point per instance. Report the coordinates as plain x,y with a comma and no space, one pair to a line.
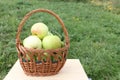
45,56
39,29
51,42
62,44
32,42
27,56
49,34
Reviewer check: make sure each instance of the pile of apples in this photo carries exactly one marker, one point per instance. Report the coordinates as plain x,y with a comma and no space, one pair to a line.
42,38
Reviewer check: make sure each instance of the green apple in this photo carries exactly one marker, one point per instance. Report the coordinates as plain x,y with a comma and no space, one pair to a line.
45,56
39,29
62,44
27,56
49,34
51,42
32,42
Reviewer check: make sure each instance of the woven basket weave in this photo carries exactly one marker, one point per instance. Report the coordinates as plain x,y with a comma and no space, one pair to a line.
40,67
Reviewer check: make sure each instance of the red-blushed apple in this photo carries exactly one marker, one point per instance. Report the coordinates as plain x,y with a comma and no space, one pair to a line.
39,29
32,42
51,42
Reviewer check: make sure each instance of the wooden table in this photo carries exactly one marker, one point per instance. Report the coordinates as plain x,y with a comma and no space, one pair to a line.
72,70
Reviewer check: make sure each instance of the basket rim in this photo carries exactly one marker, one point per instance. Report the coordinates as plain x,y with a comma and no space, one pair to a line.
45,50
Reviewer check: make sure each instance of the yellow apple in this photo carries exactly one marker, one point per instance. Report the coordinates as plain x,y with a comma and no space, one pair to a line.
32,42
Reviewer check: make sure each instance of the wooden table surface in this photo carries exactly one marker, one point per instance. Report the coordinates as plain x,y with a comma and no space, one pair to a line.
72,70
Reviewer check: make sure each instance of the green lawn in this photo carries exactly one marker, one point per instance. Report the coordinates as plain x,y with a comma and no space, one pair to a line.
94,34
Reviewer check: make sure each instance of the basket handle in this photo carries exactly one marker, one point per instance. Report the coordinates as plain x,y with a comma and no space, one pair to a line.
41,10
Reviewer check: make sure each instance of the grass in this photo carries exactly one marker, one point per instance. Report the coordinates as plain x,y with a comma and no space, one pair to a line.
94,34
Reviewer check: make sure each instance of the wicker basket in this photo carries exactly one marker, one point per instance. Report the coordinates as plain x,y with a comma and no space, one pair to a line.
41,67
